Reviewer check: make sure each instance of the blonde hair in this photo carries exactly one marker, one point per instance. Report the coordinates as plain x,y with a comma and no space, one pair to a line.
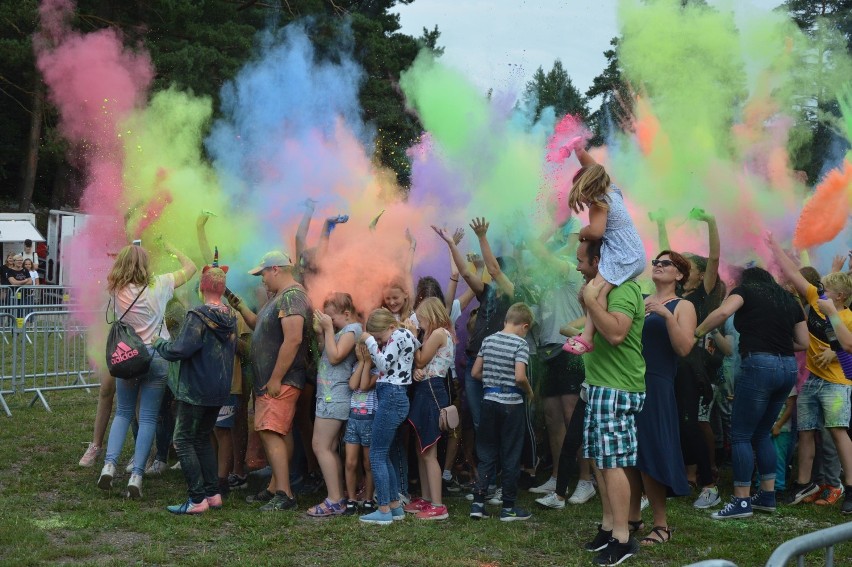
341,302
434,313
590,187
399,283
519,314
380,320
839,282
130,267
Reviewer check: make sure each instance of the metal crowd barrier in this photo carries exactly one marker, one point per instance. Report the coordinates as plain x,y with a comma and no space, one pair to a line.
43,351
18,301
824,539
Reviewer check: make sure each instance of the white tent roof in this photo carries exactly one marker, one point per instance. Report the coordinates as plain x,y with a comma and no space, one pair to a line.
18,231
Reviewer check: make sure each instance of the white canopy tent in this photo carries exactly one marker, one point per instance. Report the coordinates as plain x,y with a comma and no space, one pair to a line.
18,231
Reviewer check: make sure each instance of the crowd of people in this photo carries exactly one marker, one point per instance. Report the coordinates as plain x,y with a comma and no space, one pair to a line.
644,394
19,270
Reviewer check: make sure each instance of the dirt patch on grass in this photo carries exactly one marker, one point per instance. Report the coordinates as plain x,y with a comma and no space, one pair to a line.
121,540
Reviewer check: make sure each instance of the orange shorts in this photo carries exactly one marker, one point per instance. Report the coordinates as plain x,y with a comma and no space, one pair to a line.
276,414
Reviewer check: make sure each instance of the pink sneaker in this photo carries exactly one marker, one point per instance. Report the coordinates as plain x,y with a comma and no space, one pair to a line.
215,501
416,505
90,456
433,513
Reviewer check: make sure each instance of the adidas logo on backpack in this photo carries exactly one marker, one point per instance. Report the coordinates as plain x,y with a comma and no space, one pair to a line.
123,352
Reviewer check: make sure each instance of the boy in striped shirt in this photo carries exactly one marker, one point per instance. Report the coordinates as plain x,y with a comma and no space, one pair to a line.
502,366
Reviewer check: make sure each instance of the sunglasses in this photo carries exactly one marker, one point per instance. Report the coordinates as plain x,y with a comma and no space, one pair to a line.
662,263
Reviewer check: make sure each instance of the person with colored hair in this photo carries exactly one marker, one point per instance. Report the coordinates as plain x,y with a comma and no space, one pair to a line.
772,327
205,347
501,365
666,335
141,298
339,330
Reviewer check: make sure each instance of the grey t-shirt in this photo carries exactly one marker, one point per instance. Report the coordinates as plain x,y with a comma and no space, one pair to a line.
333,379
269,336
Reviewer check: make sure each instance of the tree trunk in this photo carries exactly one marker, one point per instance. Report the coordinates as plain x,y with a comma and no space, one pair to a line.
32,150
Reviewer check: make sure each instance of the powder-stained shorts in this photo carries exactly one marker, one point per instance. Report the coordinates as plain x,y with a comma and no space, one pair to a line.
359,431
276,414
332,410
609,435
823,404
225,419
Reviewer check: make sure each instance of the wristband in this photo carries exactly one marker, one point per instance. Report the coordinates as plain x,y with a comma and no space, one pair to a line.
454,279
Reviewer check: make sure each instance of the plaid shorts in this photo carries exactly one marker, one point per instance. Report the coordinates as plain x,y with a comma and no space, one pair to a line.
609,435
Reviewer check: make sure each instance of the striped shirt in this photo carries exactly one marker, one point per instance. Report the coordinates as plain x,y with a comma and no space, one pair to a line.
499,353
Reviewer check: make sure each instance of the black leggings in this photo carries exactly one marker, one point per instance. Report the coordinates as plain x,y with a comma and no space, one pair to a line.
572,442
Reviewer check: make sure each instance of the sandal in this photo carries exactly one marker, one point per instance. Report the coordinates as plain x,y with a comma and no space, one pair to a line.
635,526
326,510
578,345
663,534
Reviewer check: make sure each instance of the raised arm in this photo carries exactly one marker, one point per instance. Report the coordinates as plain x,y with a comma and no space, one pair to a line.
325,235
480,228
187,270
473,281
583,156
453,284
304,225
659,217
711,274
788,267
412,249
201,232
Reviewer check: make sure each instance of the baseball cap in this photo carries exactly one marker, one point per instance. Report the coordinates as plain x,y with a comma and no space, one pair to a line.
270,259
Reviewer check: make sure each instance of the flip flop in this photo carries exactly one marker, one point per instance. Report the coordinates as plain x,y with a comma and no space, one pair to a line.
577,345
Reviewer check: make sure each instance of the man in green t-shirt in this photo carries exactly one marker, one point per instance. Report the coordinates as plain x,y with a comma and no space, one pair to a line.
615,373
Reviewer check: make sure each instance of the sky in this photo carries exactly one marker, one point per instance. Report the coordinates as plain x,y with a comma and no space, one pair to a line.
499,44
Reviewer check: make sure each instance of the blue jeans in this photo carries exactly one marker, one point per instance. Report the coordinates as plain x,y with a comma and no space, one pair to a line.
783,452
762,387
473,393
391,411
148,391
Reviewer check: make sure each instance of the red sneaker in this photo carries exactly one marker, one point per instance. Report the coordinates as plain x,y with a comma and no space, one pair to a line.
433,513
416,506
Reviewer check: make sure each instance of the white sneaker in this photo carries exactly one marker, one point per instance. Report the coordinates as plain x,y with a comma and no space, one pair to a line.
496,498
134,486
107,474
545,488
644,503
404,500
175,467
90,456
129,468
584,492
551,501
157,467
708,498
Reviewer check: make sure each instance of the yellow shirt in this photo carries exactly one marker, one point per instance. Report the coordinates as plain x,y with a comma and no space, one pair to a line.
833,372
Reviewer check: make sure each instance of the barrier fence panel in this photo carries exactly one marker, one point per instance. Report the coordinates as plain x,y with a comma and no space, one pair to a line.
52,355
8,359
19,301
824,539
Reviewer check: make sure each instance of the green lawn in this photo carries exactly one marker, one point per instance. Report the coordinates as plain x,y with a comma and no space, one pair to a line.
52,512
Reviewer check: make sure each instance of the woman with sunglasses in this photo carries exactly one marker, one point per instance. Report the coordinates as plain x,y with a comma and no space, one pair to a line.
772,326
666,336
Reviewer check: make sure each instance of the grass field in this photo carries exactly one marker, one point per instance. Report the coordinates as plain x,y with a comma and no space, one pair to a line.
51,512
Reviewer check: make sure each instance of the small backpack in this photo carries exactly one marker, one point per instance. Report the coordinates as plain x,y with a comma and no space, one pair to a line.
126,354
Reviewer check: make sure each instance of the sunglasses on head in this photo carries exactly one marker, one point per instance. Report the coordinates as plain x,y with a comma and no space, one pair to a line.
662,263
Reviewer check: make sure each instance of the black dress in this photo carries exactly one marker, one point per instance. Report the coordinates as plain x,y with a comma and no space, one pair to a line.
657,428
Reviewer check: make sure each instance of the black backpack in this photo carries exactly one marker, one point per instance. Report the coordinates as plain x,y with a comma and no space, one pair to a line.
126,354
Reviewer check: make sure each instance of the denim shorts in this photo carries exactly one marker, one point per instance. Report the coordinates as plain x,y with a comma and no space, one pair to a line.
823,404
359,431
609,435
